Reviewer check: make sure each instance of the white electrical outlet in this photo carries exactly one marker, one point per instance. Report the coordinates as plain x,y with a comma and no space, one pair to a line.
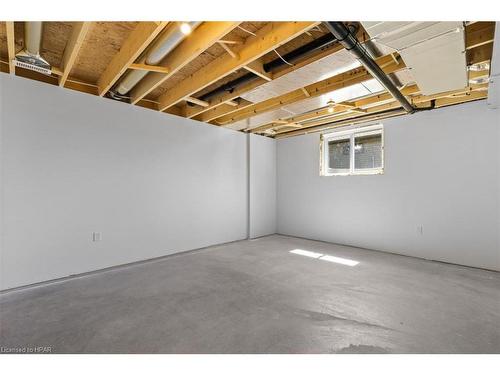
96,236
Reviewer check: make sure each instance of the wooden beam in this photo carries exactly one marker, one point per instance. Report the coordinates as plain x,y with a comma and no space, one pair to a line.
480,54
73,46
11,45
257,68
482,33
196,101
349,78
139,39
374,114
339,108
149,68
194,45
315,56
268,38
222,110
420,101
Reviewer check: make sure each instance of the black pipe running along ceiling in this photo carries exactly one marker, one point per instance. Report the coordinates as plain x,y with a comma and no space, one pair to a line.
288,58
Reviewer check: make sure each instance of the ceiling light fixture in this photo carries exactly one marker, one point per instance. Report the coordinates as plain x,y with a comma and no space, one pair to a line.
186,28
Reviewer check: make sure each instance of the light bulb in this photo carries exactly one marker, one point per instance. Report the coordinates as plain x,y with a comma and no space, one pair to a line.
186,28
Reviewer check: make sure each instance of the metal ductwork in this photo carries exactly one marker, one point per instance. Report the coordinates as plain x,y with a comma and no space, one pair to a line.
342,33
170,39
29,57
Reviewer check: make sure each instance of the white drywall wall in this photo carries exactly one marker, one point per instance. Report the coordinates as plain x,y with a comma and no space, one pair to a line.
74,164
441,171
262,188
494,85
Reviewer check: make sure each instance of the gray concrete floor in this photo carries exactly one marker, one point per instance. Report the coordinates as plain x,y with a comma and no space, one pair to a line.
257,297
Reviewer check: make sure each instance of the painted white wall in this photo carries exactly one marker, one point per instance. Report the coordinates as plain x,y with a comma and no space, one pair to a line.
441,171
153,184
262,188
494,86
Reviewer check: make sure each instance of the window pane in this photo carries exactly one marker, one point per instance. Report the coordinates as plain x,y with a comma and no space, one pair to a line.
339,154
368,151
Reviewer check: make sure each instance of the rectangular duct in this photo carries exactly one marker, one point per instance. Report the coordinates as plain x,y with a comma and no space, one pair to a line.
433,51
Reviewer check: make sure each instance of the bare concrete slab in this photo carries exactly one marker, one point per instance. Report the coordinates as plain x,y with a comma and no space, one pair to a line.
258,297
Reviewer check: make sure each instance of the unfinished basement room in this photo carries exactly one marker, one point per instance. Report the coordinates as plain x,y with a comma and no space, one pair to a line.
250,187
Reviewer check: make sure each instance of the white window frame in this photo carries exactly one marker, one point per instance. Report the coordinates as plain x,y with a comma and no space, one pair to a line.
350,135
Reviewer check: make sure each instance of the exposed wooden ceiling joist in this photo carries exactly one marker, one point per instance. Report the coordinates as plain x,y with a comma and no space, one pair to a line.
223,109
268,38
339,108
225,97
479,34
201,38
11,46
378,112
73,46
140,38
351,77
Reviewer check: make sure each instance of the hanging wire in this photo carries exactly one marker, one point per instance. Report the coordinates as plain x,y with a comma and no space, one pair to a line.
281,57
247,31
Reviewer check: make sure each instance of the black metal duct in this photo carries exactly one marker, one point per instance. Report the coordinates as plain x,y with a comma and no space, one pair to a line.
290,57
351,43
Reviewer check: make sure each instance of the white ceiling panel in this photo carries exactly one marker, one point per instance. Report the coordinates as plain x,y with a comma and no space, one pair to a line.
433,51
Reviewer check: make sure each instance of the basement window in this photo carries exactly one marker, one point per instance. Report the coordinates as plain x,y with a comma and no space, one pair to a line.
353,152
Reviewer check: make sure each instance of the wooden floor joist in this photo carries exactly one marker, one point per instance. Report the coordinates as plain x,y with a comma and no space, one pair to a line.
203,37
268,38
78,34
195,71
315,56
351,77
140,38
11,46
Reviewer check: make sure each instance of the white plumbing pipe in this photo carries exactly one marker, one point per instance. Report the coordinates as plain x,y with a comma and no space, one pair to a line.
161,48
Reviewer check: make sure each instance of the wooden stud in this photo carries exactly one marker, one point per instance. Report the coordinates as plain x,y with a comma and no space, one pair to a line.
11,46
194,45
149,68
80,30
268,38
140,38
222,110
226,41
257,67
233,54
197,101
232,103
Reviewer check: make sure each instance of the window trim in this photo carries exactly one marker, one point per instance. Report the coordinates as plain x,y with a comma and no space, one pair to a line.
351,135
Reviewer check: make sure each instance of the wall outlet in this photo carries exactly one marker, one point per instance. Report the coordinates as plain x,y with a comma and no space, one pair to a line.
420,230
96,236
